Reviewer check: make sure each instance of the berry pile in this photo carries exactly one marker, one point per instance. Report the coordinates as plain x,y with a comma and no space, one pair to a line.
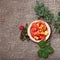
39,30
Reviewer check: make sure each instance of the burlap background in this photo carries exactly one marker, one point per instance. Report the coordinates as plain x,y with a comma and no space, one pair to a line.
14,13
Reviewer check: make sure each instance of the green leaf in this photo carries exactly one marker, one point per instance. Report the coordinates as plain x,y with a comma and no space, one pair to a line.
58,18
42,44
50,50
59,13
27,37
43,53
39,53
48,44
42,4
22,36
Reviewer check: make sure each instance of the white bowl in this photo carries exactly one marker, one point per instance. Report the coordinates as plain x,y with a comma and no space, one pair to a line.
29,34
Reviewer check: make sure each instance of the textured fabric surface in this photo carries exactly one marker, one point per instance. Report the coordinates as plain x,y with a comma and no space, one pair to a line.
14,13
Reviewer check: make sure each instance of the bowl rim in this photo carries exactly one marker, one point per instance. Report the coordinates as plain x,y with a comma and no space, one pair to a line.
29,34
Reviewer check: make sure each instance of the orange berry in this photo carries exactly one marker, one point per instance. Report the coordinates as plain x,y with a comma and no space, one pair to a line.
35,37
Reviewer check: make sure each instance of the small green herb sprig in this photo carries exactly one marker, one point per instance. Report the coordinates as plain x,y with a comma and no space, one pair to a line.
24,35
43,12
57,23
45,49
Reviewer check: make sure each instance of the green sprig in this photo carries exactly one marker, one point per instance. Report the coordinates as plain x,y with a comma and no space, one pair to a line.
57,23
45,49
24,35
43,12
